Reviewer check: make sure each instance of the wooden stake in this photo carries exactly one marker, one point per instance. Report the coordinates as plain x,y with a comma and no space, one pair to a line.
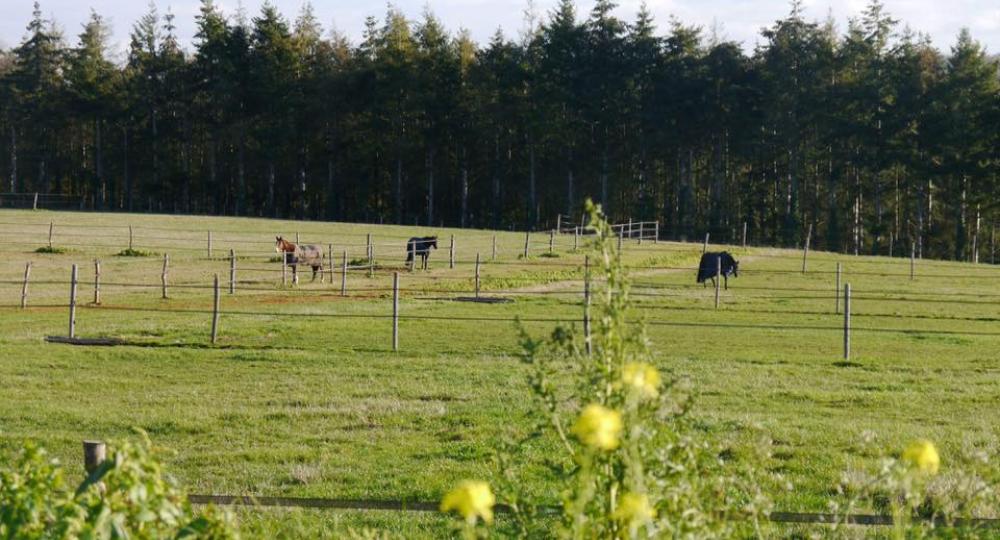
559,223
72,302
343,276
718,279
215,308
368,246
232,271
552,240
297,237
641,228
805,248
209,244
527,238
494,256
621,235
329,267
97,282
744,234
163,276
586,305
477,274
24,286
34,205
395,311
94,453
51,225
656,232
451,253
371,261
847,321
130,238
837,306
576,238
629,228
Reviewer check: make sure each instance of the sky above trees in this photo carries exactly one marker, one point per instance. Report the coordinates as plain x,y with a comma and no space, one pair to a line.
739,20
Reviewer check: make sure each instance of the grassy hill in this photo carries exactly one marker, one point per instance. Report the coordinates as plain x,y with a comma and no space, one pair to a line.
303,396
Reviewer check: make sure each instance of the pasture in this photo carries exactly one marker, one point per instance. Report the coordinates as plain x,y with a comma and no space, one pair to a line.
302,394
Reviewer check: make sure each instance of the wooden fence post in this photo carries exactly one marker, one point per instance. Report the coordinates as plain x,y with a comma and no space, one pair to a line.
559,223
163,276
51,225
395,311
24,286
97,282
343,276
642,227
371,261
586,305
704,247
656,232
494,256
913,258
297,238
451,253
718,279
837,307
329,267
94,453
744,234
215,308
34,205
368,246
527,238
284,268
477,274
72,302
209,244
805,248
847,321
629,228
232,271
130,237
892,243
552,240
621,236
576,238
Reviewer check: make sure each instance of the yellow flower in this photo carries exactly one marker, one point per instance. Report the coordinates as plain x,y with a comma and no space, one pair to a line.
923,456
472,499
598,427
634,508
643,378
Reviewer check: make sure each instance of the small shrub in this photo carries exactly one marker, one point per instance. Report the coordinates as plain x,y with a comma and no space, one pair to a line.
548,255
127,496
51,249
131,252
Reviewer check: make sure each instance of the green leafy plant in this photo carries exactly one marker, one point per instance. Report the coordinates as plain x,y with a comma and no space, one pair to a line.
127,496
51,250
631,464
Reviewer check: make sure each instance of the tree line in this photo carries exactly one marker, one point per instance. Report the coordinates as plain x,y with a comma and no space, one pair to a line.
871,138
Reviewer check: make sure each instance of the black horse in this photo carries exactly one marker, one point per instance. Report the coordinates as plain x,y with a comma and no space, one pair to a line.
718,261
420,246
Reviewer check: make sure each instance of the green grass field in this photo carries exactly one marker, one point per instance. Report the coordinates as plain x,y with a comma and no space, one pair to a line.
320,405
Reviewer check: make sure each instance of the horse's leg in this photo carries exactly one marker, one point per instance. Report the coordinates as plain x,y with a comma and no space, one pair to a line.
726,280
295,274
315,268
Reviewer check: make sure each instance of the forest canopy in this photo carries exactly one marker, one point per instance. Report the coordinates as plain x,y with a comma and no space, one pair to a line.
868,136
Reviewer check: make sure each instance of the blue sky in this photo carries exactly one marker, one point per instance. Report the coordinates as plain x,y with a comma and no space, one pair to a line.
740,20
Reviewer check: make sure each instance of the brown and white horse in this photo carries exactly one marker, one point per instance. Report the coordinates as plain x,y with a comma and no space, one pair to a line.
295,255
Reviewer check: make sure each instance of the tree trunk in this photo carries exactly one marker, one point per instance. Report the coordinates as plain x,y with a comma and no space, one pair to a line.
241,179
272,205
532,187
465,189
13,158
430,186
101,195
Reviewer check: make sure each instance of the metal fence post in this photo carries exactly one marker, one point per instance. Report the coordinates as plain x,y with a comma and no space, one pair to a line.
215,308
24,286
232,271
72,302
477,274
395,311
837,288
847,321
586,305
343,276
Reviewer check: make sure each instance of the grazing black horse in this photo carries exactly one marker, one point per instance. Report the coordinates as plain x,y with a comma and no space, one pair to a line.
420,246
710,263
